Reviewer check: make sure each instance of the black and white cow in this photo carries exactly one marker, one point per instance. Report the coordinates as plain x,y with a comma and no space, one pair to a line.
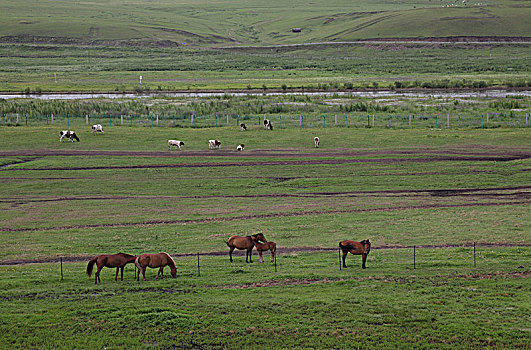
214,144
316,141
69,134
240,147
175,143
97,128
267,124
243,127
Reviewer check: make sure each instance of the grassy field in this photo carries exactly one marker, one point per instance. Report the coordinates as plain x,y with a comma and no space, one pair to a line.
440,190
107,45
251,22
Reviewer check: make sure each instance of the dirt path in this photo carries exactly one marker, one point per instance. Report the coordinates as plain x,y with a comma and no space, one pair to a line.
280,250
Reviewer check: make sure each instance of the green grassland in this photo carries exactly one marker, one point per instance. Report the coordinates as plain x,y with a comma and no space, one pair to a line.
105,46
252,22
440,190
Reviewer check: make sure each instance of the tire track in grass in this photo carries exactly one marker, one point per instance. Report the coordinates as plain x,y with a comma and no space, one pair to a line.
263,216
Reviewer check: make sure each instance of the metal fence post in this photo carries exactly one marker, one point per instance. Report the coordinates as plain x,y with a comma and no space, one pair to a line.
280,123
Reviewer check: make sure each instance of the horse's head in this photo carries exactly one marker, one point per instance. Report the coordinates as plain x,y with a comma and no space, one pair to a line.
173,272
260,237
366,246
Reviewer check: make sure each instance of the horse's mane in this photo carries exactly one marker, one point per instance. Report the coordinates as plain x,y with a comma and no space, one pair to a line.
127,255
170,260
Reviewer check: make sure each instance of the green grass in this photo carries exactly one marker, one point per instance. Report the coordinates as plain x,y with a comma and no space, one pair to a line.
389,186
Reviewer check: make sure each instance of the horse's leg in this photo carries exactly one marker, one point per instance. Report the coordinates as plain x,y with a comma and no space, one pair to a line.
97,276
272,255
230,253
363,259
160,273
260,255
344,256
250,254
144,272
116,276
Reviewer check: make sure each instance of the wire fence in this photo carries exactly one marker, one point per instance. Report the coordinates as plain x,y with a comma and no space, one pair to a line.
399,121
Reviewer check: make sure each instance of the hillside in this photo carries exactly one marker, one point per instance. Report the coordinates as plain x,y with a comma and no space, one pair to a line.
206,23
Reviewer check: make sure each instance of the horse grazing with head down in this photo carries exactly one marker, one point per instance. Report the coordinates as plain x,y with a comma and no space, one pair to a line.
106,260
357,248
263,247
159,260
247,243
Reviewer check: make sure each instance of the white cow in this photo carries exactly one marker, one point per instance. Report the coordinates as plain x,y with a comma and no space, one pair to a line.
175,143
69,134
240,147
97,128
214,144
316,140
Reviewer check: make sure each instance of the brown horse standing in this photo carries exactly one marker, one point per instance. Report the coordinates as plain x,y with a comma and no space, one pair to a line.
263,247
357,248
159,260
247,243
107,260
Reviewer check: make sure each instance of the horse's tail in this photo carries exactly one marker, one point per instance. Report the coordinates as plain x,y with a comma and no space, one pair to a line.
90,266
137,263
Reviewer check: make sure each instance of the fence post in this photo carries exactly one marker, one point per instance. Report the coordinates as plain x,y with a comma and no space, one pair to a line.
390,120
280,123
121,119
474,254
459,120
157,116
17,119
346,120
410,120
86,119
195,117
68,120
131,118
413,120
198,270
300,120
448,120
25,115
414,257
373,120
436,121
258,120
152,121
52,118
324,121
368,124
191,119
482,121
487,118
526,119
227,120
61,268
110,119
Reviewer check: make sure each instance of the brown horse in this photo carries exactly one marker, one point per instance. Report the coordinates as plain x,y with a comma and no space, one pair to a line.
357,248
263,247
159,260
107,260
247,243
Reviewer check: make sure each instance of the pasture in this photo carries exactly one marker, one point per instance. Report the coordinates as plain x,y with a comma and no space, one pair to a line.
437,189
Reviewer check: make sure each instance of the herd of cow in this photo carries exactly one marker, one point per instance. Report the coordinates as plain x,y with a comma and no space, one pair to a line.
212,144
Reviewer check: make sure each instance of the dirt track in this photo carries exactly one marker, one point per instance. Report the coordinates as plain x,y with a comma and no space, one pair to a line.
281,250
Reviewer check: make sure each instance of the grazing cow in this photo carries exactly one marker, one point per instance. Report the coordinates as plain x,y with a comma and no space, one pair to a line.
69,134
175,143
357,248
240,147
243,127
214,144
97,128
316,140
267,124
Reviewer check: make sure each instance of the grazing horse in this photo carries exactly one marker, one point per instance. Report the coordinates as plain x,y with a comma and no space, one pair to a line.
263,247
97,128
357,248
243,127
69,134
159,260
316,141
247,243
107,260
